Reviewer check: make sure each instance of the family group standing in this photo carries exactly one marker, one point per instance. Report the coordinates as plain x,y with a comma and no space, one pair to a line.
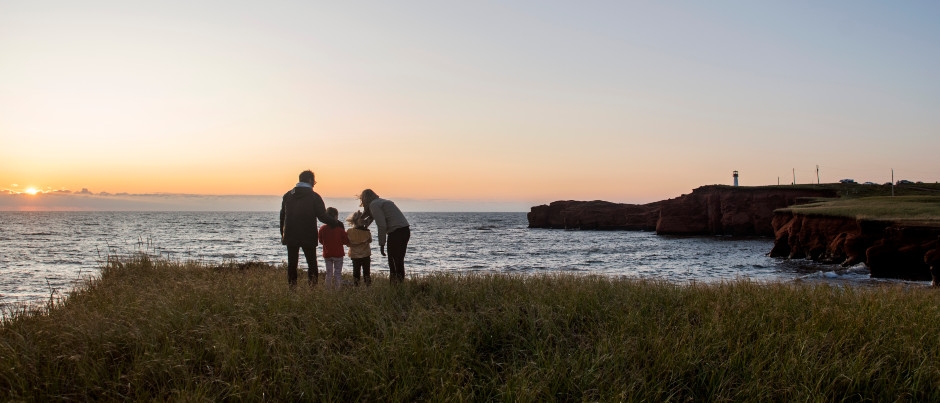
301,207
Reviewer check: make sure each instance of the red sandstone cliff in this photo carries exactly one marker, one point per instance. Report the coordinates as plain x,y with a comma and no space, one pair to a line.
727,210
890,250
708,210
594,215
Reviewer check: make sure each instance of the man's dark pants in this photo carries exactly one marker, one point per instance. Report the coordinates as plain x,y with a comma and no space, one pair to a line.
397,246
293,255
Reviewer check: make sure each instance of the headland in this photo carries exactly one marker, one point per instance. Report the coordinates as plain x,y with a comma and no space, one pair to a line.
847,223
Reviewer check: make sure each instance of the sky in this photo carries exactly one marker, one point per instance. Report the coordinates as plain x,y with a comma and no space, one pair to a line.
457,106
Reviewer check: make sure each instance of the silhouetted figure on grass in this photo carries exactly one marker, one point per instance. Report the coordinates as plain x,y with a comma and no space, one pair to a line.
300,209
391,222
359,251
333,240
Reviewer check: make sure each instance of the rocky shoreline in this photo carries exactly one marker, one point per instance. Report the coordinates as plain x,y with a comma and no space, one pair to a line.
889,249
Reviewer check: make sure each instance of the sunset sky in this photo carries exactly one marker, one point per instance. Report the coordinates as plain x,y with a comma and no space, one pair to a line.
491,105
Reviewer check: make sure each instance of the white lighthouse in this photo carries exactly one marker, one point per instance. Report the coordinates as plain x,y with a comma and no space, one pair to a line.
735,178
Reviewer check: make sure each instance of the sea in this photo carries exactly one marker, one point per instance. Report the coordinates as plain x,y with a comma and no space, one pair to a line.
44,255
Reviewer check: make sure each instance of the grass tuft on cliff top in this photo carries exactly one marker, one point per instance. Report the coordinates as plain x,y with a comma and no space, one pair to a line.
857,190
908,209
155,330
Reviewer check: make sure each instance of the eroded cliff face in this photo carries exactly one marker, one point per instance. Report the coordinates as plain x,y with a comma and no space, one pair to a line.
727,210
708,210
890,250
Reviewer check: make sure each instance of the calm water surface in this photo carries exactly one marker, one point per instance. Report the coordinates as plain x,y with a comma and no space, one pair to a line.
47,253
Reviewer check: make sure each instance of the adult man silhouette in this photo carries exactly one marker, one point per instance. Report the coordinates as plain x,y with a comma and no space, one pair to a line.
300,209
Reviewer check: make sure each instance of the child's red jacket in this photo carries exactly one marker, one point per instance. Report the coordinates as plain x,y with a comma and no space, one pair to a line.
333,239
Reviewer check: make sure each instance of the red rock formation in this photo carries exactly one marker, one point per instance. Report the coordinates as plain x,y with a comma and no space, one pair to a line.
594,215
728,210
708,210
827,239
902,252
890,250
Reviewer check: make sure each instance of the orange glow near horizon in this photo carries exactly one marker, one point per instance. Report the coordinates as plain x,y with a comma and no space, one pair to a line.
406,183
553,103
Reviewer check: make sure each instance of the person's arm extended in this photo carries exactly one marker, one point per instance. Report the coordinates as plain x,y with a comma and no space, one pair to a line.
379,215
319,208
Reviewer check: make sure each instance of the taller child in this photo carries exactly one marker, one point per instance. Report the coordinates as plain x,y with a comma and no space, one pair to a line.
300,209
333,239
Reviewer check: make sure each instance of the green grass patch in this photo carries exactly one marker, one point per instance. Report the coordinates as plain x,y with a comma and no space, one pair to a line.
857,190
924,209
154,330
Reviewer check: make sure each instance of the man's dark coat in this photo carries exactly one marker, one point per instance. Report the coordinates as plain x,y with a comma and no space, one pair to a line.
300,209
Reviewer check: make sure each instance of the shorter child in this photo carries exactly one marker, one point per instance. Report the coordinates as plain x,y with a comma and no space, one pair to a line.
333,239
359,238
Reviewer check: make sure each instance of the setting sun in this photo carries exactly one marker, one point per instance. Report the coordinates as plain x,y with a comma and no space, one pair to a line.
31,191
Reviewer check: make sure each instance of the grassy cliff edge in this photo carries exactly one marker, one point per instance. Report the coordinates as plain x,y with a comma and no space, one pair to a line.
900,209
160,330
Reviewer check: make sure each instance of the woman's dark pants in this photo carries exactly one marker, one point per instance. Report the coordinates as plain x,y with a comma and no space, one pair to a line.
397,245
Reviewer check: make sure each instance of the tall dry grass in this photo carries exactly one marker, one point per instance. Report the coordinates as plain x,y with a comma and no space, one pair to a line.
155,330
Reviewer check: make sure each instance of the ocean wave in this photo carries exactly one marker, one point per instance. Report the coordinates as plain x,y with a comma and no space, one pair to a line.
452,242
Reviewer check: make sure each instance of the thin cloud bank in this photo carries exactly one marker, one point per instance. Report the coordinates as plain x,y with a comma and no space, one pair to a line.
85,200
104,201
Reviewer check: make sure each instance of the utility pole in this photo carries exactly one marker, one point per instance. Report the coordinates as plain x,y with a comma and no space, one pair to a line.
892,181
794,176
817,174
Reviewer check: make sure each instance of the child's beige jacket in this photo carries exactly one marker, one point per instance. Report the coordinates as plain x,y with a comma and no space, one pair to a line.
359,242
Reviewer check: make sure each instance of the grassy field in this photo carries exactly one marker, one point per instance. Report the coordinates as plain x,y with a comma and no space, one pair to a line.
853,190
155,330
857,190
905,209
